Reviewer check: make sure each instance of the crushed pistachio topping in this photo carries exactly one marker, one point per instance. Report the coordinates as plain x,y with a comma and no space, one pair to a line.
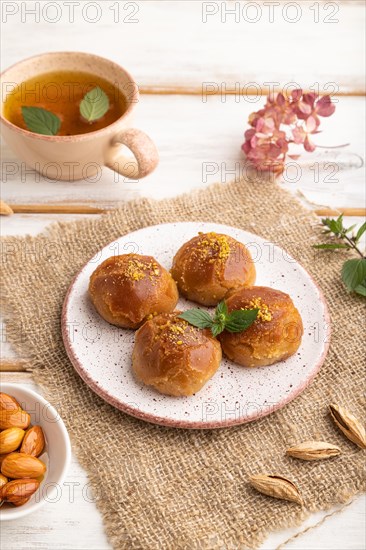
137,270
263,314
178,328
213,247
178,332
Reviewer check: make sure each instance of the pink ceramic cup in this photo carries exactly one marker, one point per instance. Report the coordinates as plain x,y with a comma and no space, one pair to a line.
76,157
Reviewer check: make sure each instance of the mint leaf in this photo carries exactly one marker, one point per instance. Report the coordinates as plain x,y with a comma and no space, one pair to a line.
219,319
197,317
360,232
349,229
94,105
335,226
361,289
221,309
354,273
41,121
339,223
239,320
236,321
217,329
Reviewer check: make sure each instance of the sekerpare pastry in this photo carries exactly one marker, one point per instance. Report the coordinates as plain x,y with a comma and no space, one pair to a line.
209,265
126,289
275,334
173,356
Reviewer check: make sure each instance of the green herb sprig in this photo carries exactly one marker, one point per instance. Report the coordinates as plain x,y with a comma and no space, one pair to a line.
235,321
92,107
353,271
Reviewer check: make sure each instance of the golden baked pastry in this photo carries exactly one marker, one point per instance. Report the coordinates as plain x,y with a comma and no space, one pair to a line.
173,356
275,334
209,265
126,289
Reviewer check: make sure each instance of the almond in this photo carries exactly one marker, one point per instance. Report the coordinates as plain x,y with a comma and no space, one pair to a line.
33,442
20,501
5,209
313,450
14,419
19,491
349,425
8,402
3,480
276,486
10,440
20,465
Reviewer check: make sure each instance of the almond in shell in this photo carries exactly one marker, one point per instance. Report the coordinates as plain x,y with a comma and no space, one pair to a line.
276,487
16,418
349,425
10,440
313,450
5,209
33,442
19,491
20,466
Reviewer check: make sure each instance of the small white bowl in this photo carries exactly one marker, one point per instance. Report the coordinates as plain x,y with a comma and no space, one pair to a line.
57,452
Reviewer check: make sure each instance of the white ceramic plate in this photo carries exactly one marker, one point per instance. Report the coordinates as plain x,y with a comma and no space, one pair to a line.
101,353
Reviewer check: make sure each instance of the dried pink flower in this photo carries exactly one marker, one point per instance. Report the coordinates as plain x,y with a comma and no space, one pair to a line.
282,121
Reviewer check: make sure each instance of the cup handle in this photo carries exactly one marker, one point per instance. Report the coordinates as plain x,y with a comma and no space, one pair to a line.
143,149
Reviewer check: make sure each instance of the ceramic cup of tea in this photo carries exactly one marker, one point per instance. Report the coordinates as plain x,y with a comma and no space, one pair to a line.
68,114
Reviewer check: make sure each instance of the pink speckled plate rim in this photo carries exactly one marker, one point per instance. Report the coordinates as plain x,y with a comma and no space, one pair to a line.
162,421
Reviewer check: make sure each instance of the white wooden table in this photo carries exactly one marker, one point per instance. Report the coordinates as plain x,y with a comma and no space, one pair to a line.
174,50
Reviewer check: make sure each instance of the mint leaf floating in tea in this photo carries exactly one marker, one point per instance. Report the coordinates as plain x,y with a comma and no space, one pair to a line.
94,105
40,121
236,321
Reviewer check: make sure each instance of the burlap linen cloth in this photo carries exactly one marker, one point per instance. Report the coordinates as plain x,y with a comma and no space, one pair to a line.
164,488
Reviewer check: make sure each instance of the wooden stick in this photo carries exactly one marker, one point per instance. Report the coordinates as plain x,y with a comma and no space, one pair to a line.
17,377
83,209
337,211
56,209
13,365
216,89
